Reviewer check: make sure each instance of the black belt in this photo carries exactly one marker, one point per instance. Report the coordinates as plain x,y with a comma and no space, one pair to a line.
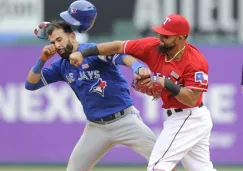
110,117
169,112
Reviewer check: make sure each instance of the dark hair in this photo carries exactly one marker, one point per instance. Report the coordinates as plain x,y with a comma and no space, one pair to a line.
58,25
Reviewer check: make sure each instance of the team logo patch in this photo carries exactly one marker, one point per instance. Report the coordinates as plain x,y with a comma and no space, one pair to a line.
201,77
85,66
99,87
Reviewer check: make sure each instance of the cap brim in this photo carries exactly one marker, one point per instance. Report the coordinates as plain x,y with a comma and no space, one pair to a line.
163,31
69,19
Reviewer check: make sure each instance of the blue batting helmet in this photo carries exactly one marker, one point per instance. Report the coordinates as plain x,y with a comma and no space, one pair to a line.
81,14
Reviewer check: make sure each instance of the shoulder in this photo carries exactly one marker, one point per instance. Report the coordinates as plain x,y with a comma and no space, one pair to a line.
143,44
60,64
85,45
149,41
57,62
196,59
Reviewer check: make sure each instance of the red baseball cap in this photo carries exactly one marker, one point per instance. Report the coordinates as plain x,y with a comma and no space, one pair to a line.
173,24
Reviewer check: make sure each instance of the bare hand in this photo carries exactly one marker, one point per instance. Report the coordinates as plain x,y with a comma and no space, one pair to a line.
48,52
147,82
143,72
76,59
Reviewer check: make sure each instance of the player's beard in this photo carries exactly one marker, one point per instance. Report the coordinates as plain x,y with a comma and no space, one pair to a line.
165,49
67,51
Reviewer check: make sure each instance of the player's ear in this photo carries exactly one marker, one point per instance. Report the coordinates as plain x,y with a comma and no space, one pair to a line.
180,37
72,37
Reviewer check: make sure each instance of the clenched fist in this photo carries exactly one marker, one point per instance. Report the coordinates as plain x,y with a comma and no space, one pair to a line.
48,52
76,59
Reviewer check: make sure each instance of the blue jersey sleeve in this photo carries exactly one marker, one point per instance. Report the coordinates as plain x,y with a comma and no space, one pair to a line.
52,73
116,59
48,75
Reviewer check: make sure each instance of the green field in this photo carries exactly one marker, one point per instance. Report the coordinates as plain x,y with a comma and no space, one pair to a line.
118,168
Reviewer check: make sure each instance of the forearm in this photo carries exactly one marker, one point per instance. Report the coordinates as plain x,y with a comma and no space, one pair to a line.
129,60
105,49
182,94
133,63
110,48
35,72
33,81
187,97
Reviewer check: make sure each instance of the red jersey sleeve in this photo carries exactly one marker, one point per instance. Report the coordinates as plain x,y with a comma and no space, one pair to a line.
196,77
139,48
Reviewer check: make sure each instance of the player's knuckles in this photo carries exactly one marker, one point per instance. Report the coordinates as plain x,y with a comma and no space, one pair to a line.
46,51
71,56
53,48
149,84
147,71
145,81
71,62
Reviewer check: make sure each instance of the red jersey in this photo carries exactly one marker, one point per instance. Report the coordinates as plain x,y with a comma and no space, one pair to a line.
190,71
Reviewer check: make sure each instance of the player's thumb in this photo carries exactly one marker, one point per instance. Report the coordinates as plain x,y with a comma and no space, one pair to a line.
136,76
72,62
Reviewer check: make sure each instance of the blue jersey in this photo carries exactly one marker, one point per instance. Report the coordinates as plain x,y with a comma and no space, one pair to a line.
97,82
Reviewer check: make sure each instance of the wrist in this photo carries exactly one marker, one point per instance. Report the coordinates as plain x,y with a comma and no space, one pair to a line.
43,59
135,66
171,87
162,81
38,66
92,51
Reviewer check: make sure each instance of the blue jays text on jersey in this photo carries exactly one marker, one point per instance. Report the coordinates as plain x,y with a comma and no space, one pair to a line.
97,83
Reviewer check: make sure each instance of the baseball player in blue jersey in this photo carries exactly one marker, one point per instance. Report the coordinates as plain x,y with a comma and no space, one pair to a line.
102,90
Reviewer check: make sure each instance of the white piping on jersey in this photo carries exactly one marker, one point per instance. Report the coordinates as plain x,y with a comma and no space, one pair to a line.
103,58
43,79
114,59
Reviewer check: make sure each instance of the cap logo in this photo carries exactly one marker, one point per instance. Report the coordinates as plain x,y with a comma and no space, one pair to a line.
74,11
167,19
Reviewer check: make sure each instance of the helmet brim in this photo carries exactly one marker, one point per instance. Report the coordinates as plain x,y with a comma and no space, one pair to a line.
69,19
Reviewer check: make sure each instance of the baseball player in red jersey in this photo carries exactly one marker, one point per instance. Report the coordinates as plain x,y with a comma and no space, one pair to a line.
180,77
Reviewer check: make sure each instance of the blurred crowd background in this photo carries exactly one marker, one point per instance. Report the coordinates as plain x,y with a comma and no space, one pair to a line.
42,127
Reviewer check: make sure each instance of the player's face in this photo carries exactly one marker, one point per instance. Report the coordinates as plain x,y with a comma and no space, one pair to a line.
63,43
167,43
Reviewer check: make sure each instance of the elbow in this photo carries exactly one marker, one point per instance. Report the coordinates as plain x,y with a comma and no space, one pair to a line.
192,102
29,86
118,46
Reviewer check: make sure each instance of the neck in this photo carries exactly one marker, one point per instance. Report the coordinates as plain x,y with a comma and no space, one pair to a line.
75,46
171,54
